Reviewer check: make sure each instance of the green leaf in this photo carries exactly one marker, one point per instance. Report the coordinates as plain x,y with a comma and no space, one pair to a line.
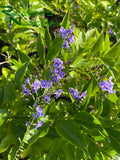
92,150
13,150
97,45
23,57
20,74
1,95
3,115
9,93
91,123
6,142
114,51
78,154
55,148
114,138
89,92
107,64
65,21
90,34
16,131
41,49
69,131
113,97
30,138
62,149
88,3
5,72
106,108
47,38
106,44
25,3
55,48
80,61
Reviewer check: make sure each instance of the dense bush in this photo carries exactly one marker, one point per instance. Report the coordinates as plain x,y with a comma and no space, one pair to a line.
60,80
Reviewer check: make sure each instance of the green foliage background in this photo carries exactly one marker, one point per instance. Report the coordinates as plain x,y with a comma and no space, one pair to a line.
91,132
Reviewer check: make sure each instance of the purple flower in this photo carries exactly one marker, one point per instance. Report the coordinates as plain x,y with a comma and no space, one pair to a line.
106,86
58,68
52,72
110,78
71,39
58,64
69,31
36,85
75,7
65,44
44,84
40,112
25,91
84,94
49,84
110,31
74,93
39,124
58,93
60,74
35,116
54,79
47,99
65,32
27,80
27,124
62,29
58,61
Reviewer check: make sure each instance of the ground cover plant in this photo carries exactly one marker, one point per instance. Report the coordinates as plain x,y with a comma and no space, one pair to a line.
59,80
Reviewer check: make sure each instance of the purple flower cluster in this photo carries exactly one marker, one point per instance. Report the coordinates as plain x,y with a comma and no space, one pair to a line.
57,73
35,85
46,84
67,35
107,86
39,113
76,94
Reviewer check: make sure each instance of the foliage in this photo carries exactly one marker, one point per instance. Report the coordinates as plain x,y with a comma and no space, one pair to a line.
58,100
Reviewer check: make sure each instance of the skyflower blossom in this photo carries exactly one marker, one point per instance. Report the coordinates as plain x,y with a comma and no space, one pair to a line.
58,93
76,94
71,39
107,85
26,92
47,99
38,125
67,35
45,84
36,85
65,44
57,74
39,113
110,31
